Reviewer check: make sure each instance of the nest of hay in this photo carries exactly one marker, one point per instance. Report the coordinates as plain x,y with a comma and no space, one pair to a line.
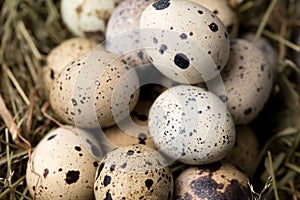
30,29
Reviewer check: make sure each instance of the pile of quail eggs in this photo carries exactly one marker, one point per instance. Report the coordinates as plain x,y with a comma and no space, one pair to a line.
174,84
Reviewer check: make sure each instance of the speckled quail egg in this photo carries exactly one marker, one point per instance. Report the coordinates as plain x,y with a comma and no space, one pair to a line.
96,89
247,79
245,152
61,166
192,125
133,172
64,54
185,41
220,180
267,49
132,130
226,14
87,18
122,32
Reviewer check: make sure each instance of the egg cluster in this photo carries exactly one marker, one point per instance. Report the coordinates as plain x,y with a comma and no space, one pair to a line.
173,83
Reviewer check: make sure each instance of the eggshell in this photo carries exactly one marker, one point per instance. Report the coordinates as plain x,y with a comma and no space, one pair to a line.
218,180
245,151
61,166
227,15
96,89
247,82
62,55
122,33
87,18
191,125
184,40
267,49
133,172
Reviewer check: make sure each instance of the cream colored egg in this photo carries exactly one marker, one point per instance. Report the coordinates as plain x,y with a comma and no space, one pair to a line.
185,41
191,125
122,33
98,89
218,180
227,15
133,172
62,55
61,166
247,81
87,18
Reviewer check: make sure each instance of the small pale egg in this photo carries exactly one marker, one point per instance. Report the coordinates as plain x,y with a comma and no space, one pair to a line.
122,32
96,89
61,166
220,180
245,151
87,18
226,14
185,41
191,125
132,130
133,172
62,55
247,82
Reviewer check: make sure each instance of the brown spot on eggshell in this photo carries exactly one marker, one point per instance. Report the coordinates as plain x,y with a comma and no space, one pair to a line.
72,177
46,172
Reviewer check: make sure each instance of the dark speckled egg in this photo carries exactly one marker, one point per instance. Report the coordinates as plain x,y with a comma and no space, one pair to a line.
185,41
216,181
133,172
192,125
122,31
61,166
247,79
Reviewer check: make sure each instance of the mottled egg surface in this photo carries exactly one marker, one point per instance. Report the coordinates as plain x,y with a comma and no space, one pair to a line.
266,47
122,33
247,79
216,181
87,18
96,89
192,125
61,166
227,15
133,172
62,55
184,40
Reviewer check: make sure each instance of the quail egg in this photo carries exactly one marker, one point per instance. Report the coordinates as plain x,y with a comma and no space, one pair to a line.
62,55
185,41
96,89
191,125
61,166
245,152
87,18
226,14
247,79
122,32
220,180
133,172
